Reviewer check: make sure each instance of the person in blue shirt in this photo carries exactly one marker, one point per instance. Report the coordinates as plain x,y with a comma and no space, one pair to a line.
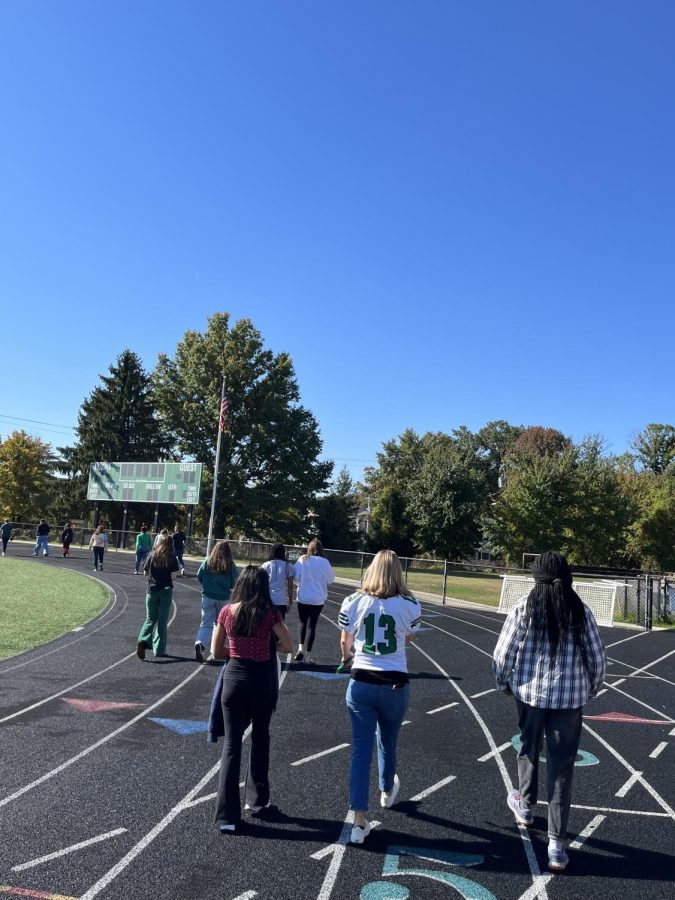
217,576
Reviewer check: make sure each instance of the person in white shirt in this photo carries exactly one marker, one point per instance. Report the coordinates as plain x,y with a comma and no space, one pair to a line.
313,574
376,624
280,573
98,543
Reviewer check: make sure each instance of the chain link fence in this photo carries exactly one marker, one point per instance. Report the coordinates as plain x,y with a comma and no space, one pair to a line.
642,599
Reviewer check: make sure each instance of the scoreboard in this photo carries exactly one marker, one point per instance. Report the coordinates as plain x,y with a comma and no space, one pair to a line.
140,482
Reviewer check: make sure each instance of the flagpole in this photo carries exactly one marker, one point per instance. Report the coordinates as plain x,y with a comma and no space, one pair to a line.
215,472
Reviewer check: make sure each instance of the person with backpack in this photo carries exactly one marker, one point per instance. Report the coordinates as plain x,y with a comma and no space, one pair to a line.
280,573
551,658
67,538
217,576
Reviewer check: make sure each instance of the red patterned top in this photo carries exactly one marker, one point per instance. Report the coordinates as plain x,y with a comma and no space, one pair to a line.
256,647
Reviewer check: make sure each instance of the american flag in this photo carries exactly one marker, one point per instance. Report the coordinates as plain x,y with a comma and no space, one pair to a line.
223,410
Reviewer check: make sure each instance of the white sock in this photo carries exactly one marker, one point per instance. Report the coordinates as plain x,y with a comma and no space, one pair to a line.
300,649
556,844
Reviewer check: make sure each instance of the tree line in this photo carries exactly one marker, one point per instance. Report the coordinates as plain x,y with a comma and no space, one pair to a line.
506,488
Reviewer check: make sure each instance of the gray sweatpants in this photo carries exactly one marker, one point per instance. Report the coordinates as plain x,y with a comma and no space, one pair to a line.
562,728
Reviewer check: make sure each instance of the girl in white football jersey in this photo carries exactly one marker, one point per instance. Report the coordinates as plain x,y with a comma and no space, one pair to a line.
377,622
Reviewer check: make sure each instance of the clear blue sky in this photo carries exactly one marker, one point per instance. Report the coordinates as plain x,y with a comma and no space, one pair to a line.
447,212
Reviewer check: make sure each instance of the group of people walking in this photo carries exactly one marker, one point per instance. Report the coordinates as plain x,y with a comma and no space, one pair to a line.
549,657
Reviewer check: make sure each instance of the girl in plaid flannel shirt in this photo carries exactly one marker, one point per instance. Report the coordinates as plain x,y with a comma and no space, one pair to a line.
550,656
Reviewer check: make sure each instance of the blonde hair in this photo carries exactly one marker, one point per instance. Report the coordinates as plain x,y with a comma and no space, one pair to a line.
314,548
384,576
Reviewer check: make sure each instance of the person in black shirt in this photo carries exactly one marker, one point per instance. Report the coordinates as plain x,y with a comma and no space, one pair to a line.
41,539
158,567
179,539
67,538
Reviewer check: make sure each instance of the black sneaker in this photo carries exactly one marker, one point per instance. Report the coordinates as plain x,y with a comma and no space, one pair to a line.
199,653
299,656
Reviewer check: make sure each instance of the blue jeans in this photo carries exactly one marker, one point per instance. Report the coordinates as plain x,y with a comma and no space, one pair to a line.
140,559
373,707
210,611
41,542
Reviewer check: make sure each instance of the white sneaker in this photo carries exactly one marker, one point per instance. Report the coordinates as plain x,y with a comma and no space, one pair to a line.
257,809
182,571
519,808
388,798
226,828
359,834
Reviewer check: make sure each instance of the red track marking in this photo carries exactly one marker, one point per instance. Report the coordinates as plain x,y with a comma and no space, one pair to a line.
98,705
625,717
38,895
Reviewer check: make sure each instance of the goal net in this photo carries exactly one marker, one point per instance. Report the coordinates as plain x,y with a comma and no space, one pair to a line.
599,597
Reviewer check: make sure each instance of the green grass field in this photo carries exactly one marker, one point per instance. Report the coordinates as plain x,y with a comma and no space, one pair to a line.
475,587
39,603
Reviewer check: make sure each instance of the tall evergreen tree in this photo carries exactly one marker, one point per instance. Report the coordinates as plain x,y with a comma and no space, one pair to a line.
270,470
117,421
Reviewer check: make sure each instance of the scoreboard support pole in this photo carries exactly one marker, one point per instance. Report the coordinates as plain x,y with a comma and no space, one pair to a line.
154,526
97,515
122,539
191,518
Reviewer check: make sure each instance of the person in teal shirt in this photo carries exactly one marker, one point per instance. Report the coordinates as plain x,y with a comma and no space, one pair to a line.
143,547
217,576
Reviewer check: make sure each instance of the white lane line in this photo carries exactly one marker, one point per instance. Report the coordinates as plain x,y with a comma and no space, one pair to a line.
623,790
330,848
100,743
67,690
406,722
587,832
307,759
431,712
531,893
634,674
623,640
494,752
73,687
635,700
539,884
468,643
145,841
672,733
643,781
112,594
248,895
206,797
434,787
483,693
654,663
338,851
600,693
66,850
623,812
657,751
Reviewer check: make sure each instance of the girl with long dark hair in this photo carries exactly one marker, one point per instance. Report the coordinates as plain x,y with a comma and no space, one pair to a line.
243,635
280,573
158,566
550,656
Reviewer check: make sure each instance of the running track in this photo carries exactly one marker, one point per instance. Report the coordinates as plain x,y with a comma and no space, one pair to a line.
107,781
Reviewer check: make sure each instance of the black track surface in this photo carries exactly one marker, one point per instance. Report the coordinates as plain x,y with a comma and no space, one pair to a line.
69,775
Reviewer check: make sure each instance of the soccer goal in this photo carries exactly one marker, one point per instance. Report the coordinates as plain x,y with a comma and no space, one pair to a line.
600,597
529,558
